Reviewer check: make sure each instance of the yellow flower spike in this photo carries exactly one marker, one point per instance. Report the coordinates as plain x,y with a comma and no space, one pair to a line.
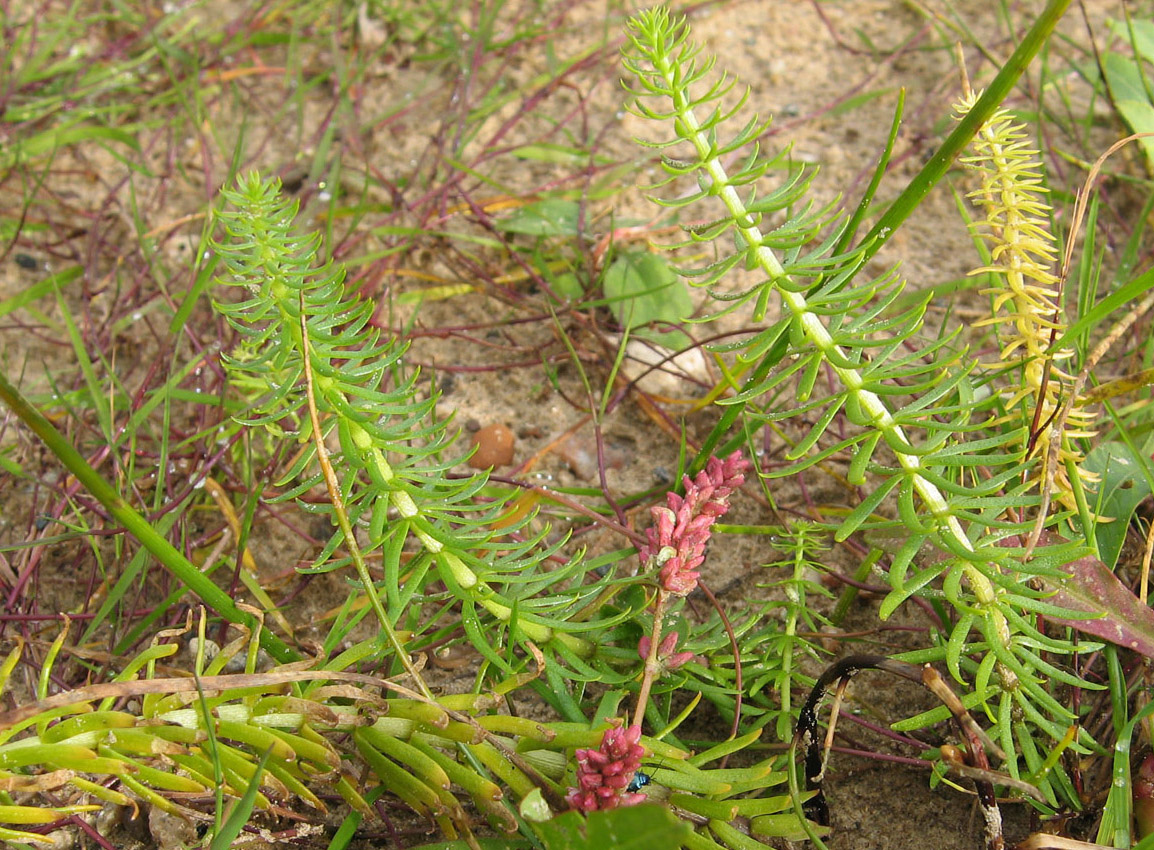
1025,304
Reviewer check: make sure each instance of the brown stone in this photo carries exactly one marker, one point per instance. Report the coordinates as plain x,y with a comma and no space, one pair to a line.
494,447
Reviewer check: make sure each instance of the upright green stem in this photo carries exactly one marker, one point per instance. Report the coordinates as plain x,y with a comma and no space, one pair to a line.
334,487
923,183
866,408
811,324
652,668
955,143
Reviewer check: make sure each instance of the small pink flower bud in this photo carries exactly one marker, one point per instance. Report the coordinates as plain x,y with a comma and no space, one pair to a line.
668,644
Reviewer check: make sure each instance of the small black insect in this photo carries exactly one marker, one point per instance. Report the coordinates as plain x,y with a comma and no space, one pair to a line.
26,262
639,781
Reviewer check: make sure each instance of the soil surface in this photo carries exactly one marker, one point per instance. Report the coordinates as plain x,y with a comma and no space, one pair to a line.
829,73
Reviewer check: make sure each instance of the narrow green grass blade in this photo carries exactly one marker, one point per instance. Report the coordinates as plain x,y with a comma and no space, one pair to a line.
39,290
96,394
941,161
137,525
1127,294
241,811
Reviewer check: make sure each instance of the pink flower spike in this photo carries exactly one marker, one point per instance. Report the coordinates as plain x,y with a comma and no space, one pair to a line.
675,544
604,774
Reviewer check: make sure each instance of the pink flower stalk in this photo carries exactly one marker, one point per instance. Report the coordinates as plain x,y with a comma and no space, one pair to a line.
676,541
604,775
668,659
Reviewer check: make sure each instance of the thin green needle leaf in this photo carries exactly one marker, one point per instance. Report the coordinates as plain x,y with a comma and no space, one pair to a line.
234,824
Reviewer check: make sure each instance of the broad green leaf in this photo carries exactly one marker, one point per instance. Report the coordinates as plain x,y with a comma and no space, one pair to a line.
1130,96
632,828
567,286
1139,32
1123,77
1125,481
1139,114
1118,615
553,217
642,288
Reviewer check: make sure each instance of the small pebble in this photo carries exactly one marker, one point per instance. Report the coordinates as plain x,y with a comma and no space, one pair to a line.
170,832
211,648
580,453
494,447
60,839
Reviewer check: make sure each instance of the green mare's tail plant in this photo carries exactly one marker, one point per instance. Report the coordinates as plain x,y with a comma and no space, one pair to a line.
921,431
1022,252
314,366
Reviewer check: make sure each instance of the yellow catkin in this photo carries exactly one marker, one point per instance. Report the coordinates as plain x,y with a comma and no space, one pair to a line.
1014,221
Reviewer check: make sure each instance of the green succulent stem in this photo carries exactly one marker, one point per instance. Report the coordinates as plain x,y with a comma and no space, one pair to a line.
332,483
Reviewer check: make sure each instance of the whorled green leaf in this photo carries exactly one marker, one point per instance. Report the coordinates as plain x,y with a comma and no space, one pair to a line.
395,455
